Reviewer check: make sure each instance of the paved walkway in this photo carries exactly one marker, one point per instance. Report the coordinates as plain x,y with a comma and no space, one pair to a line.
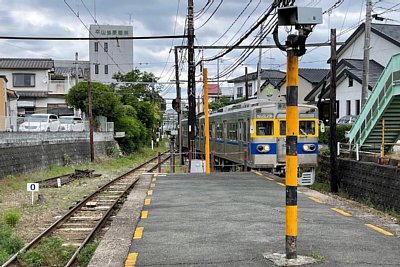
231,219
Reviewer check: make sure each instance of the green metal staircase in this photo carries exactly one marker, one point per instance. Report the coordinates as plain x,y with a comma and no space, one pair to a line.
384,103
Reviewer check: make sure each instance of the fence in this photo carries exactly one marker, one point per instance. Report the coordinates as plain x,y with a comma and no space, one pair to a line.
22,124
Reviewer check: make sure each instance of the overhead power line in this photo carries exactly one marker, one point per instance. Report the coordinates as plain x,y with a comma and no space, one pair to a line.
37,38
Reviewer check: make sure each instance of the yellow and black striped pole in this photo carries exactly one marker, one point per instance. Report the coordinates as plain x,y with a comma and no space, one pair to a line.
206,123
292,132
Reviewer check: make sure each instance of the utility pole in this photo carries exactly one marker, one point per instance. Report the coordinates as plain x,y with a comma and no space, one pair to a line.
206,123
91,146
246,84
76,69
191,80
178,99
367,41
332,115
259,66
218,77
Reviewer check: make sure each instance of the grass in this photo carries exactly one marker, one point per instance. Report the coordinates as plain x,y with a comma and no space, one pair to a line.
322,186
317,257
86,253
10,243
50,252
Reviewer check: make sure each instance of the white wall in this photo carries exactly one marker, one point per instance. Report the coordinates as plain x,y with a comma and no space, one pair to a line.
41,79
305,88
381,49
344,93
121,52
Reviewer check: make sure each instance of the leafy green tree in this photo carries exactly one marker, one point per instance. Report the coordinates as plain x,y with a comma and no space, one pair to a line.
219,103
105,102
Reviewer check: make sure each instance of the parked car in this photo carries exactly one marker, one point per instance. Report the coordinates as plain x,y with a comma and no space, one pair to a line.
347,120
40,123
71,124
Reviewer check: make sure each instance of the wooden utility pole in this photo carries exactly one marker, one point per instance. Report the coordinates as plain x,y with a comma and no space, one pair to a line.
246,84
332,116
191,80
76,69
367,41
178,99
259,66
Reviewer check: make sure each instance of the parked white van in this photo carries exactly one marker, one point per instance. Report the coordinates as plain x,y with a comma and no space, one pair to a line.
71,124
40,123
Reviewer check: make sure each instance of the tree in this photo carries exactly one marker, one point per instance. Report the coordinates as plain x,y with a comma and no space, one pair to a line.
105,102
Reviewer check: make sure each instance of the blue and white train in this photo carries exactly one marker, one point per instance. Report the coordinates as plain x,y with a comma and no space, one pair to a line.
260,129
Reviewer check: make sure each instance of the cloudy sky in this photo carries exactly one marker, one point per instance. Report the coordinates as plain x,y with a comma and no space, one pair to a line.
223,22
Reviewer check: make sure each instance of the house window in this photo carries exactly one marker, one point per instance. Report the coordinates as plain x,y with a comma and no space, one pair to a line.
358,106
23,80
350,81
96,46
239,92
105,47
337,109
249,89
96,69
348,107
105,69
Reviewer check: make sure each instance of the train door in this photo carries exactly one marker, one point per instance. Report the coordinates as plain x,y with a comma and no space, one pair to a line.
281,142
241,139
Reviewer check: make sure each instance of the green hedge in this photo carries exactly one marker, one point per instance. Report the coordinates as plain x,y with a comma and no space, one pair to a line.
340,134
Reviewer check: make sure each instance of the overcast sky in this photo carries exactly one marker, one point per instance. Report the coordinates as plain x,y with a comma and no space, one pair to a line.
57,18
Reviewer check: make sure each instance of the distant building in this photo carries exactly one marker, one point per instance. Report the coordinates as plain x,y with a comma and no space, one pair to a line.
273,76
215,92
110,56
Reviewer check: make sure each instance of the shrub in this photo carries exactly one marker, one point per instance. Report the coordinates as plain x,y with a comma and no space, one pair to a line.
340,134
67,159
11,218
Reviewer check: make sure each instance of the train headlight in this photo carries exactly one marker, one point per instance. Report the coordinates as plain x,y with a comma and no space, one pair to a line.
309,147
263,148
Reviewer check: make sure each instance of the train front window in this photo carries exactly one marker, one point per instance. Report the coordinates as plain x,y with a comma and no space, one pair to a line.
264,127
282,127
307,127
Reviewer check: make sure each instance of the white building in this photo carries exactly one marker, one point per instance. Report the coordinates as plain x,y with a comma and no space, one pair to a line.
110,56
385,42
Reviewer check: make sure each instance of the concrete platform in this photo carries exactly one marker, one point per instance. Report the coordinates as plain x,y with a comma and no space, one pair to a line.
232,219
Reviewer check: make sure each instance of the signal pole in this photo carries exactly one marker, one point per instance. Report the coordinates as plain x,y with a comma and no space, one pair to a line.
91,145
206,123
332,116
178,99
191,80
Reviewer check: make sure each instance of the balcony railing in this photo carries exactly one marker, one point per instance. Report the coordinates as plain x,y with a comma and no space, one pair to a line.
60,87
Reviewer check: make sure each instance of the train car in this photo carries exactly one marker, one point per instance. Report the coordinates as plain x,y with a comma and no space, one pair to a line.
259,129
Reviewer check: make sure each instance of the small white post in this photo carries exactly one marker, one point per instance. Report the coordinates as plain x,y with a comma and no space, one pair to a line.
33,198
58,182
338,148
357,154
32,187
152,145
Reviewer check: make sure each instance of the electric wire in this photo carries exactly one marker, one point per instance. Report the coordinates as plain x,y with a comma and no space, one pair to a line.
212,14
233,23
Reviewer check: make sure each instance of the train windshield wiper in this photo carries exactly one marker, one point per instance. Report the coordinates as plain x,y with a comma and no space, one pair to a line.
303,132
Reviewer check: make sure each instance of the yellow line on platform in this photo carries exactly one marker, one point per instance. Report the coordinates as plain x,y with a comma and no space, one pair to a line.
258,173
152,185
341,212
145,213
147,201
315,199
380,230
154,179
155,175
138,233
299,192
281,184
131,259
150,192
269,178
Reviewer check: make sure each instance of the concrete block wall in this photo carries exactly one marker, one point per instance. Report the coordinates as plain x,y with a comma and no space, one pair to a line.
379,184
36,154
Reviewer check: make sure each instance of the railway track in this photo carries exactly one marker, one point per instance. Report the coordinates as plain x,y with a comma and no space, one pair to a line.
82,222
66,178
